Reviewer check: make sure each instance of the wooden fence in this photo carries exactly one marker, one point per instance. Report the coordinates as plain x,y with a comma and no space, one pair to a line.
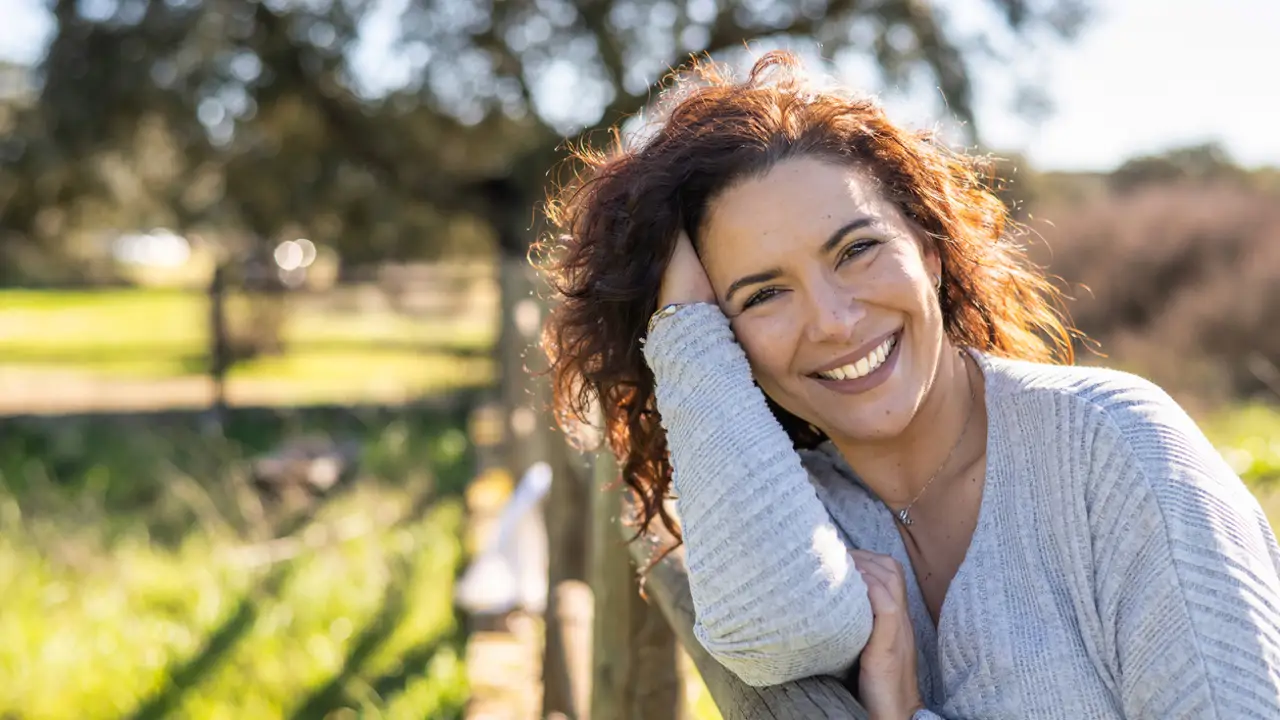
627,667
644,647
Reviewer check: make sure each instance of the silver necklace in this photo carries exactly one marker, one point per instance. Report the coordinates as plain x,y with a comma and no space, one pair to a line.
904,515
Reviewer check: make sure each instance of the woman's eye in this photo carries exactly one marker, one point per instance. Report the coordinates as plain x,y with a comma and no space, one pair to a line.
760,296
855,249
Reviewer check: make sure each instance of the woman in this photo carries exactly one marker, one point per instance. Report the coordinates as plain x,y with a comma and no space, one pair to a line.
880,450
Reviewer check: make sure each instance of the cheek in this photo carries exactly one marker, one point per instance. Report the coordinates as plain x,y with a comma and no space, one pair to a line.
900,280
768,347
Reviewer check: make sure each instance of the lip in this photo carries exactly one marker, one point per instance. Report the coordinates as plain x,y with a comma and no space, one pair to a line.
858,354
870,380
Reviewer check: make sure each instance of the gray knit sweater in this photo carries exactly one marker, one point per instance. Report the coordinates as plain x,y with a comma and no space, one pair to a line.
1119,569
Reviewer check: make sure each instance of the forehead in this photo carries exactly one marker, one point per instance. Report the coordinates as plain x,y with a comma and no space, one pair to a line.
797,202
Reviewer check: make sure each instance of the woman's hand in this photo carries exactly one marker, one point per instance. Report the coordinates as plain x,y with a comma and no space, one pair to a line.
685,280
887,682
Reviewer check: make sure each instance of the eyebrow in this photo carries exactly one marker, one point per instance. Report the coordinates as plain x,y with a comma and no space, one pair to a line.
773,273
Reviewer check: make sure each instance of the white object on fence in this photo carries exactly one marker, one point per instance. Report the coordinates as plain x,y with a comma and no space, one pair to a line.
511,571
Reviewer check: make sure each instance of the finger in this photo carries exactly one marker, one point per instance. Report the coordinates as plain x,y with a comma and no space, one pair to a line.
881,600
882,561
886,620
870,568
884,601
888,589
891,628
872,572
883,605
883,565
889,567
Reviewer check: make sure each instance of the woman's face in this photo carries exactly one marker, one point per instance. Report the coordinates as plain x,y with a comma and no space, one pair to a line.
830,291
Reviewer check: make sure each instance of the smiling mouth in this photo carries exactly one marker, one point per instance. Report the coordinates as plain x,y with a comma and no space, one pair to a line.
863,366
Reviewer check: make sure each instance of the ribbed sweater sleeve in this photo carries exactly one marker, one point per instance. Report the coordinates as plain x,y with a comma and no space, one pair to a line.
774,589
1188,582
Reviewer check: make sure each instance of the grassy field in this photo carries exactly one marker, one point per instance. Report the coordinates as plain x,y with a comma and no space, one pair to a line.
153,345
144,577
1249,439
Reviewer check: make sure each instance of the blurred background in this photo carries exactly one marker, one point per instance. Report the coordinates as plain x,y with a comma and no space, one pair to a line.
265,310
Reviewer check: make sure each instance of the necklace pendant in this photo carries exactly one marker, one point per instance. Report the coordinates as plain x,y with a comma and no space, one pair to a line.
904,517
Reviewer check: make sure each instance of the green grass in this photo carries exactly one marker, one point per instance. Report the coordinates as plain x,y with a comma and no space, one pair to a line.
177,321
139,582
161,336
1249,439
195,632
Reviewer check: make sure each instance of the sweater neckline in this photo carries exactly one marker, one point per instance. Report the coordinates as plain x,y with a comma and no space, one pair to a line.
933,636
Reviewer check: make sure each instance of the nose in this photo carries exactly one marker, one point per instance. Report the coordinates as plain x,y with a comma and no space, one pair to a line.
834,313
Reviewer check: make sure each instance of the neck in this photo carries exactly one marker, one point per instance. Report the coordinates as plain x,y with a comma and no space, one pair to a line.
897,469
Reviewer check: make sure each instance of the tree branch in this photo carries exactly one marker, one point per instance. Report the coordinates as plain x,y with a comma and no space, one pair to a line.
946,61
349,126
595,17
726,33
509,62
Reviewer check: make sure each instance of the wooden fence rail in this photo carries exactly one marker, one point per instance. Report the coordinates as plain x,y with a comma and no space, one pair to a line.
667,587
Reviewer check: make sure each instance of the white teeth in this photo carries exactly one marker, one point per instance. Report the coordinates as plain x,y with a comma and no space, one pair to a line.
864,366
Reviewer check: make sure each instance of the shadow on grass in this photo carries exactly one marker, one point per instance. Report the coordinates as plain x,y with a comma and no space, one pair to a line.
181,358
121,462
184,675
413,663
187,674
116,464
334,694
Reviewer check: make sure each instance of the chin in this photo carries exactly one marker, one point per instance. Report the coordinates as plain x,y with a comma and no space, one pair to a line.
883,425
874,420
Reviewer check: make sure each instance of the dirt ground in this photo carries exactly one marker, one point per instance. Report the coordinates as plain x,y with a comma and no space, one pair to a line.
52,392
504,655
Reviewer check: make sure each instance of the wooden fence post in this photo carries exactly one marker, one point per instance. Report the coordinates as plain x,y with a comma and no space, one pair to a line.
667,587
566,659
526,395
219,344
635,655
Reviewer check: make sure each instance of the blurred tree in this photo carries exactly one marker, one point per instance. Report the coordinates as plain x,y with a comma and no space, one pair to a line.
1266,179
1203,163
1016,182
260,115
382,127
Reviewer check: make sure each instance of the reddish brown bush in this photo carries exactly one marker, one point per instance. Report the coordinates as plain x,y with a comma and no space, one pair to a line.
1178,282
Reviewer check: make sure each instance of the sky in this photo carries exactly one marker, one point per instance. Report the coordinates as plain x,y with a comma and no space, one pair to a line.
1144,76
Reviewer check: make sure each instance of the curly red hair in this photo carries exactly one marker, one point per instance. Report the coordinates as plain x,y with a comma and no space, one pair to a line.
618,221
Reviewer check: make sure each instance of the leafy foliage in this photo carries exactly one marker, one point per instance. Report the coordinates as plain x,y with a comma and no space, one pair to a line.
254,119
